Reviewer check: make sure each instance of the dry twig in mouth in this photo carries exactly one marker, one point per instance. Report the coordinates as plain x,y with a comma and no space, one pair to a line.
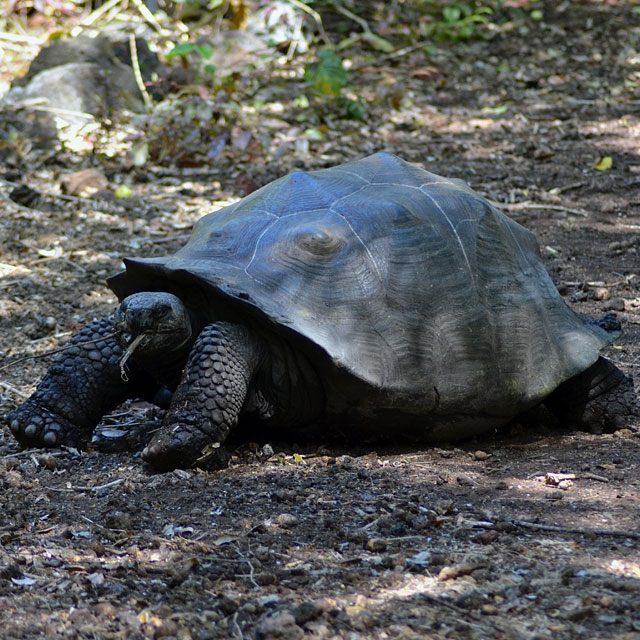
129,352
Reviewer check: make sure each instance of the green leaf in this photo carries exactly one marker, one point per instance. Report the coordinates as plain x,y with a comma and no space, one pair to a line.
123,191
210,68
314,134
182,49
205,51
327,76
355,109
451,14
503,108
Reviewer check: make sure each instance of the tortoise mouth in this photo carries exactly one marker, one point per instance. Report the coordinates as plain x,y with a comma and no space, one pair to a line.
154,339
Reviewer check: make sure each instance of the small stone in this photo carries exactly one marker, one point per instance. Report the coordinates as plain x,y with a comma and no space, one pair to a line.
359,536
47,461
458,570
542,152
119,520
554,494
306,611
606,602
266,578
267,450
487,537
481,456
105,609
615,304
81,617
262,553
281,626
489,609
601,293
165,628
565,484
287,521
376,545
14,479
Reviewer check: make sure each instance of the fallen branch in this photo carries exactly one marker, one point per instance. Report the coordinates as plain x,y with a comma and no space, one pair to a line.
135,65
580,530
113,483
13,389
315,15
518,206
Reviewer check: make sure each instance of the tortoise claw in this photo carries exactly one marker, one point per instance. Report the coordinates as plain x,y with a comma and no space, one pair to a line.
34,425
177,446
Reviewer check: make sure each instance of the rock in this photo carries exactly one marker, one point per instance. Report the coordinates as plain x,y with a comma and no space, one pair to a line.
105,609
119,520
306,611
615,304
47,461
601,293
75,77
83,87
481,456
376,545
420,561
279,626
287,521
543,152
97,50
84,183
453,572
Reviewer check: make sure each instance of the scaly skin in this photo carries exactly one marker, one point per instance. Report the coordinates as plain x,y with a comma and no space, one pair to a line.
82,385
210,397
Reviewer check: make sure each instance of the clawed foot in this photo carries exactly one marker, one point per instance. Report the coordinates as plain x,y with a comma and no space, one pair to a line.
33,425
612,410
182,446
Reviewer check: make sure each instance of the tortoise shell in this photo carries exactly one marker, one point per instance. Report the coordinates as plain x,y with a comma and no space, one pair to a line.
411,283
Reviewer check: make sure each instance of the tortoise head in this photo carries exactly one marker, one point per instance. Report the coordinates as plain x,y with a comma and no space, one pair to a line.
154,323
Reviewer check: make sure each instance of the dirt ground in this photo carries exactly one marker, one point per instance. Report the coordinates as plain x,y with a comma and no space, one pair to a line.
531,532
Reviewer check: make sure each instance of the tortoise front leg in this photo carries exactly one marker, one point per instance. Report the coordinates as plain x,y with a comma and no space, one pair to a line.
209,399
83,384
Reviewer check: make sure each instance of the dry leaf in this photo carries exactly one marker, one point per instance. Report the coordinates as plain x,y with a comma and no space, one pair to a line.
605,163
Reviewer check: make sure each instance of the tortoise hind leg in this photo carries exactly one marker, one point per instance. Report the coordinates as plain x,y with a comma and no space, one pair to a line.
598,398
207,403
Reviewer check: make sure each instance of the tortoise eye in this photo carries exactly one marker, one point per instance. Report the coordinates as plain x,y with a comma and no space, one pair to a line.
319,243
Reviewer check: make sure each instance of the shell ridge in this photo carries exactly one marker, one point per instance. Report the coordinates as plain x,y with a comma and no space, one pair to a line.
455,232
361,241
354,174
255,246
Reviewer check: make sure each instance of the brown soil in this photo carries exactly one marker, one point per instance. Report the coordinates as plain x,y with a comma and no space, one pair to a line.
527,533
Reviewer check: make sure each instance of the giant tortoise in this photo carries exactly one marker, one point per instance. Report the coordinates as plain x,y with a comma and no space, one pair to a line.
365,301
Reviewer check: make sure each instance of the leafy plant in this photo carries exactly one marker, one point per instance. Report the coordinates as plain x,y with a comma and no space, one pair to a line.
204,52
328,78
457,20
